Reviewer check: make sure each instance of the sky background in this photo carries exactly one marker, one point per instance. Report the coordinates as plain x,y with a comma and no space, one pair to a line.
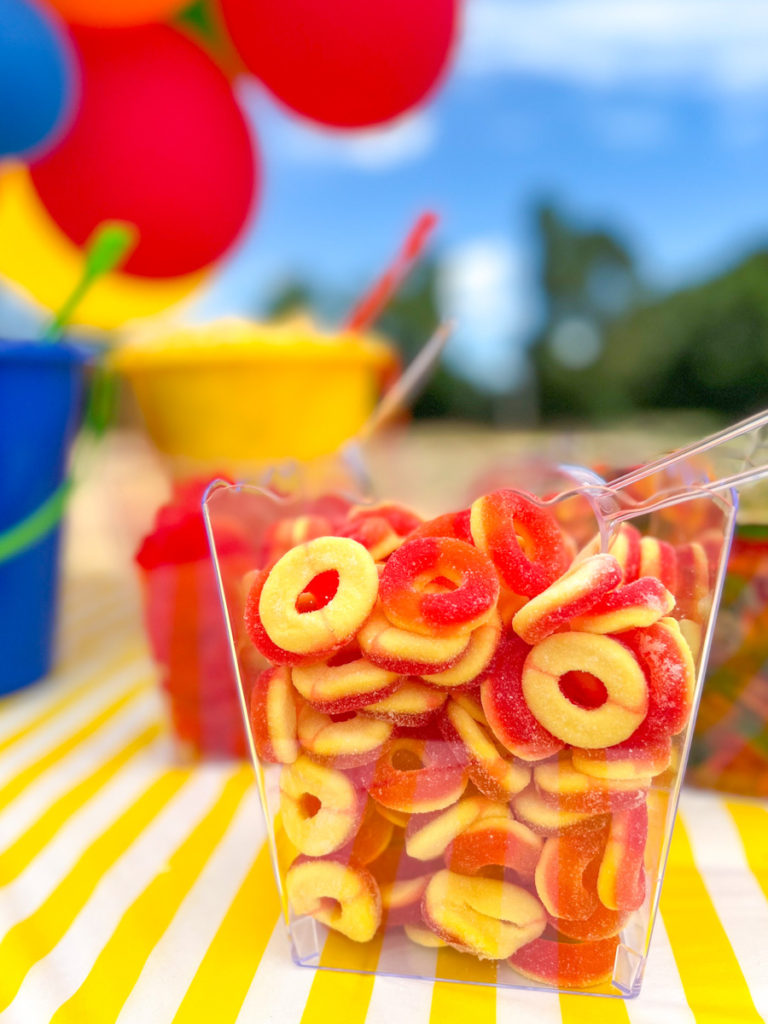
649,117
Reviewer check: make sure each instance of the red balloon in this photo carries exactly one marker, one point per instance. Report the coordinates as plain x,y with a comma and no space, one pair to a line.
160,141
346,63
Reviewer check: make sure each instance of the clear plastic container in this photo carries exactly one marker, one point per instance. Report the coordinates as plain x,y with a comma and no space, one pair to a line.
425,827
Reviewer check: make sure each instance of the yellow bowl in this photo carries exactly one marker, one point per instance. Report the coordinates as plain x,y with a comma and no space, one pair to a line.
244,392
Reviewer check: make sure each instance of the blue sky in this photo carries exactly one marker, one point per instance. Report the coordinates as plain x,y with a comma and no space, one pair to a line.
649,116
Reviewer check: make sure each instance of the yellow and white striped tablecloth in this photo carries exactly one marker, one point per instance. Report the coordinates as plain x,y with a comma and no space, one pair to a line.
134,889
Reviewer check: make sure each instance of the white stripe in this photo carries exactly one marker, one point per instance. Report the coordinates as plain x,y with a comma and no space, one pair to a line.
528,1004
739,901
76,767
57,976
172,964
44,873
112,627
413,999
662,997
37,744
22,709
280,989
81,613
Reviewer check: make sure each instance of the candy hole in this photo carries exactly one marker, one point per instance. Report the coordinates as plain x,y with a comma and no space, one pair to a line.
405,760
309,805
329,908
583,689
343,716
344,656
319,592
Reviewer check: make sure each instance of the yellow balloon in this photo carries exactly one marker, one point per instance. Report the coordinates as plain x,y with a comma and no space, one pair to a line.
41,262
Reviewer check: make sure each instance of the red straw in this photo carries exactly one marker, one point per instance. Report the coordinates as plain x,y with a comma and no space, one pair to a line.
378,295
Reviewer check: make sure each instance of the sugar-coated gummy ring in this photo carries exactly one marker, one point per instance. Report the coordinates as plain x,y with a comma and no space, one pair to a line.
412,704
272,716
345,743
632,606
451,524
320,806
522,539
284,534
624,545
340,619
258,634
428,835
562,882
621,879
605,659
407,653
337,688
495,842
475,659
497,775
405,581
574,593
563,786
417,775
664,653
658,558
546,820
344,897
567,964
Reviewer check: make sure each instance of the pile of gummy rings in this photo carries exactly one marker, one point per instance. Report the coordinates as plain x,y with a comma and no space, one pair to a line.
469,713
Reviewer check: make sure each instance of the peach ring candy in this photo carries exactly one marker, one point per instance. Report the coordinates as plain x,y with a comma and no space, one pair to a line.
663,652
373,837
401,900
272,716
428,835
344,897
345,740
412,704
642,756
335,623
505,708
340,685
494,771
522,539
451,524
405,652
693,587
635,605
258,634
567,964
473,662
571,595
596,716
466,601
321,808
381,528
285,534
495,842
484,916
530,808
624,545
560,874
658,558
621,880
417,776
602,923
561,784
422,936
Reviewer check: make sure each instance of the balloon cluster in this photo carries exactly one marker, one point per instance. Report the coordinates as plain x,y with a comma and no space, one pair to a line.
120,111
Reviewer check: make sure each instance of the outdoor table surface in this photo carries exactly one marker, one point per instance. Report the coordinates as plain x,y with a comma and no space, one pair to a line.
134,887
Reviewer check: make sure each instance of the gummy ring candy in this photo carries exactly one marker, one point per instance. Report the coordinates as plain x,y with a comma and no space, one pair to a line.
601,924
567,964
338,621
451,524
380,528
423,936
340,685
561,784
428,835
474,660
641,756
578,590
407,653
284,534
635,605
408,602
561,877
614,666
259,636
506,711
412,704
495,842
484,916
346,740
417,775
692,580
343,896
272,716
373,837
664,653
522,539
621,879
658,558
546,820
320,806
498,776
625,545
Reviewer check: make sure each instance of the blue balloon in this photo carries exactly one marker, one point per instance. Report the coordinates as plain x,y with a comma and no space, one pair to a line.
37,72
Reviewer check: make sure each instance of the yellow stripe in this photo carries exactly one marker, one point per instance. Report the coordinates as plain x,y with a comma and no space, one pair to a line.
53,708
226,971
340,996
457,1004
712,979
15,858
34,937
120,962
576,1009
33,771
752,822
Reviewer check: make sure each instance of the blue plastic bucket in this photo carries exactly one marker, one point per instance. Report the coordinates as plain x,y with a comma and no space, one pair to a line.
41,406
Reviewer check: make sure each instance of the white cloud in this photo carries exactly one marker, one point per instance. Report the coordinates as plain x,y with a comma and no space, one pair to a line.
294,140
719,45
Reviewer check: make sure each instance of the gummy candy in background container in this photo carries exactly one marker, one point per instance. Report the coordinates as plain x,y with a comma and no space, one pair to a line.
473,729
